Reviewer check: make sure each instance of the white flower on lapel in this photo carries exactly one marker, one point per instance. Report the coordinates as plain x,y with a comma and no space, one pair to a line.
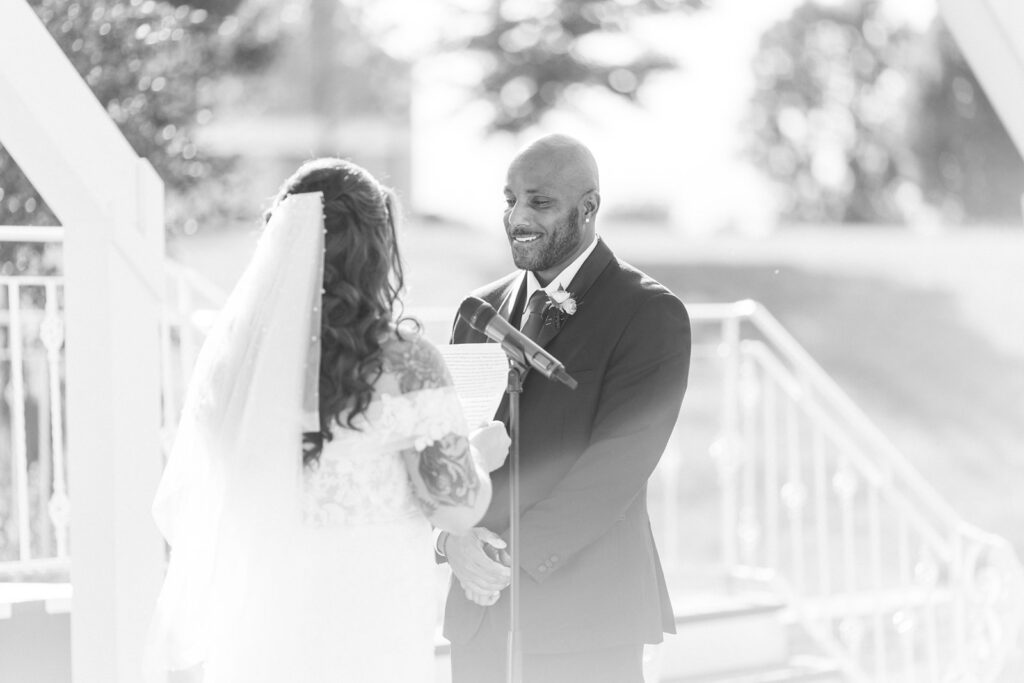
564,301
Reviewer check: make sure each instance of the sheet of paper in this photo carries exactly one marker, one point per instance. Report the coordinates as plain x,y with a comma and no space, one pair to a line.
480,374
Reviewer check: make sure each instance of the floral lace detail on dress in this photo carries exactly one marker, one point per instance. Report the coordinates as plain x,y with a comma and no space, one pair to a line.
415,364
361,477
366,488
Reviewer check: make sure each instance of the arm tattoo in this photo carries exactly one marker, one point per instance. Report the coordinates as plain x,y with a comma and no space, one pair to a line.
448,474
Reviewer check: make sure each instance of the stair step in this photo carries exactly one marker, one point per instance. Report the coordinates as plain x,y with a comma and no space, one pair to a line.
35,623
54,598
708,627
798,669
696,608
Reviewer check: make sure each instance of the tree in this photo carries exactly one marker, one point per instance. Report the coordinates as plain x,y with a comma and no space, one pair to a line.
860,120
151,65
145,63
536,52
828,119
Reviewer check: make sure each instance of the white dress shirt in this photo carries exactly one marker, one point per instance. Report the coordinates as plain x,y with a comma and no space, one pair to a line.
560,281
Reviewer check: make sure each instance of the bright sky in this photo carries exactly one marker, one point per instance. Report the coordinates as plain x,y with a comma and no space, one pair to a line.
681,151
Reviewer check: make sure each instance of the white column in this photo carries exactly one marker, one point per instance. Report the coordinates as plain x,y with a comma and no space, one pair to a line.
114,456
111,206
990,34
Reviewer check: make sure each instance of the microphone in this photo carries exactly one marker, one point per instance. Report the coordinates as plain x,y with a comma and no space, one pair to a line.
482,317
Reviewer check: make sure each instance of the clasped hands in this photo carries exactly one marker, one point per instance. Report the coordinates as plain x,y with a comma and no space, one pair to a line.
481,563
479,559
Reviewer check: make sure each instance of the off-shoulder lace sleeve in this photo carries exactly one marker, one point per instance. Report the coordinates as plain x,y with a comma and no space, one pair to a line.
417,418
427,413
426,407
415,364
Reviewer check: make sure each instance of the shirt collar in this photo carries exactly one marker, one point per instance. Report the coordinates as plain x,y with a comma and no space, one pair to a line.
563,279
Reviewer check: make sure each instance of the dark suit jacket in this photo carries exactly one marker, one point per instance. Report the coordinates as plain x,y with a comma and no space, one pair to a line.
591,577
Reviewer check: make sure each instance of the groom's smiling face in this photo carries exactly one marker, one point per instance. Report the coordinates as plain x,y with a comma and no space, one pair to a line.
542,214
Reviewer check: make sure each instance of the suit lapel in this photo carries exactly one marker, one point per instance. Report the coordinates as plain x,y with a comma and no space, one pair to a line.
503,300
511,299
580,285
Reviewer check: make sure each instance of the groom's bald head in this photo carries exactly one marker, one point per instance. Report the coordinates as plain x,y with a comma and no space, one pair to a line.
563,160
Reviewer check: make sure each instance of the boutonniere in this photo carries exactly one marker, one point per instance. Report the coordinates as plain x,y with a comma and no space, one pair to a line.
564,303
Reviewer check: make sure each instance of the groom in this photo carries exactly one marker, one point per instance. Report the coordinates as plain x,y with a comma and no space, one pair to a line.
593,591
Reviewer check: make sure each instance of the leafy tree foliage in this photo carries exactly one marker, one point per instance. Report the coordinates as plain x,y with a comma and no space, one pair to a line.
859,120
150,64
216,8
827,119
144,62
538,50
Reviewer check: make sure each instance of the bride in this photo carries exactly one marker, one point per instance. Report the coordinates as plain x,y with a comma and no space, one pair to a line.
319,442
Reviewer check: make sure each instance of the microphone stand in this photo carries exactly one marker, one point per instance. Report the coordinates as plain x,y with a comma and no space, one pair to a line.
516,371
518,366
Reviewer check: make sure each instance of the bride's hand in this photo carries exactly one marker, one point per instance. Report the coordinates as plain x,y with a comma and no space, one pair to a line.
491,443
481,598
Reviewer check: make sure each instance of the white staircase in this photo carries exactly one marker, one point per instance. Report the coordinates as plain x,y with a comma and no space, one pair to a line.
748,637
35,632
818,507
741,638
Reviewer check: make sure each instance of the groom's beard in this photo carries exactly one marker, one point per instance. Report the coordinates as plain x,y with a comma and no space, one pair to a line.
561,242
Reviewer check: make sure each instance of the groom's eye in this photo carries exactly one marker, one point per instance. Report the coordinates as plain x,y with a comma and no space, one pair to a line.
541,203
509,201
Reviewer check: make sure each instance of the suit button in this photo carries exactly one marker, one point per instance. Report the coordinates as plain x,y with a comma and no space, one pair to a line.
553,559
543,568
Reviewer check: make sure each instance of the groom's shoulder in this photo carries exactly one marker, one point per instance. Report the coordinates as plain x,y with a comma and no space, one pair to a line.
638,286
497,288
648,304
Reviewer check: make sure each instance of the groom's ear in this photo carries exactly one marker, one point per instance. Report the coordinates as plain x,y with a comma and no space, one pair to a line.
591,203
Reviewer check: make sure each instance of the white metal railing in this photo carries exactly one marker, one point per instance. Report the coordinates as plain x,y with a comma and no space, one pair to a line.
34,502
878,567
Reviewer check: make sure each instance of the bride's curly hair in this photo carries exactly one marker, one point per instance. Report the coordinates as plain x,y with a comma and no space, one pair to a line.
362,282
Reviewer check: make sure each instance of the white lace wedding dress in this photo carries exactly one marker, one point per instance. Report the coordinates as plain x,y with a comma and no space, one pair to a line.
280,573
356,598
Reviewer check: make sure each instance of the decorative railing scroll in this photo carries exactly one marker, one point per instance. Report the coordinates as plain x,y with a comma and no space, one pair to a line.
879,568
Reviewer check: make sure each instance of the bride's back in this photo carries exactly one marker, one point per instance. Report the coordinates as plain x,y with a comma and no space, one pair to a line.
360,477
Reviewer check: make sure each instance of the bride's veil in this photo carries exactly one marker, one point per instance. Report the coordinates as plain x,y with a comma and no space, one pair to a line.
229,494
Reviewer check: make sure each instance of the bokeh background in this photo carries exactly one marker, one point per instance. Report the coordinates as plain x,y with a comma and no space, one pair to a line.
835,160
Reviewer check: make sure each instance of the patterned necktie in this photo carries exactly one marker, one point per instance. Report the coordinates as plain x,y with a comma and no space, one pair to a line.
533,316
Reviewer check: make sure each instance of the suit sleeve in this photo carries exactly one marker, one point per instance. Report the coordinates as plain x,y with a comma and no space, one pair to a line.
638,406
